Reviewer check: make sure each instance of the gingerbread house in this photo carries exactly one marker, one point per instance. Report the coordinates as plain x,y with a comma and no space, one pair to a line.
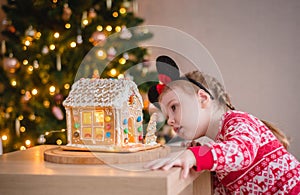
104,114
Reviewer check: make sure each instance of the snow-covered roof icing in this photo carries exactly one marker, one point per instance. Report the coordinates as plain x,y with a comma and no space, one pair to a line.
101,92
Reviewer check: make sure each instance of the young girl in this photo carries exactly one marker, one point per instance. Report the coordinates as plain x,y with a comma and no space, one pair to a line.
247,155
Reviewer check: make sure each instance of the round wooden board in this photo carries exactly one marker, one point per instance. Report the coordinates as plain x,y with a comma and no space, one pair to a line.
58,155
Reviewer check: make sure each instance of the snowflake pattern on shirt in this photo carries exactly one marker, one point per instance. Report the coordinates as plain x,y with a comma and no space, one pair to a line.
248,158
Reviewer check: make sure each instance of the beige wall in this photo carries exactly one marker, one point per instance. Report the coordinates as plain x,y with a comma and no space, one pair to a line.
256,45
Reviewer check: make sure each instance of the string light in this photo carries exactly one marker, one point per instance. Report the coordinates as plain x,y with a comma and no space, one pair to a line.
21,117
108,28
27,43
122,61
25,62
30,69
58,142
73,44
4,137
56,35
85,22
46,103
32,117
22,148
115,14
99,28
113,72
118,28
27,143
38,35
101,54
122,10
52,90
121,76
34,92
67,86
68,26
13,83
22,129
52,47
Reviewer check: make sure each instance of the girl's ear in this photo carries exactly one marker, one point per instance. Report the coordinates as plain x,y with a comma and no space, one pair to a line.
204,98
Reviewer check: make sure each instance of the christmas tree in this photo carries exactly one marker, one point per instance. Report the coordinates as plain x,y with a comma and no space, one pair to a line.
46,43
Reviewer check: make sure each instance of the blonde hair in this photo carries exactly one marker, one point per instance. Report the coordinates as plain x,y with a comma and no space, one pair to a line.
222,98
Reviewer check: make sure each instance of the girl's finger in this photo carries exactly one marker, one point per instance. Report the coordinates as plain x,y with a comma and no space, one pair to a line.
150,164
170,164
185,170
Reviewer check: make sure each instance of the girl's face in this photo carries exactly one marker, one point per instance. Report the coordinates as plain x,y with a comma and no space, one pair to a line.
188,114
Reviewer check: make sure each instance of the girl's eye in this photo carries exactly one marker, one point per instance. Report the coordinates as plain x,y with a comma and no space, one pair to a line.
173,107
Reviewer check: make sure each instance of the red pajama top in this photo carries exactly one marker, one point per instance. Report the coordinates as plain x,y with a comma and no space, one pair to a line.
248,159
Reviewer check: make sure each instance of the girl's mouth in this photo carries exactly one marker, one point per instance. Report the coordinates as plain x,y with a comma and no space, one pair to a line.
177,129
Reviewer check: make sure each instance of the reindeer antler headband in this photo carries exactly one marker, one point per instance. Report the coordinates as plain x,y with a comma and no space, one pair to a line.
168,71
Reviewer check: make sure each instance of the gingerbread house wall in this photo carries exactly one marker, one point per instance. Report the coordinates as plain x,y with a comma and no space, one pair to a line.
116,134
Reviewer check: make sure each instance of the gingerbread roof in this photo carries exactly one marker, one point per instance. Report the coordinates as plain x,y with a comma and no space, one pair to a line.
101,92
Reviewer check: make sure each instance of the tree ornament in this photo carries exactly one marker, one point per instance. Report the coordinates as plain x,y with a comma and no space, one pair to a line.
58,61
126,56
98,38
45,49
30,31
36,64
108,4
10,64
67,12
125,33
3,47
111,53
41,139
92,13
79,39
57,112
58,98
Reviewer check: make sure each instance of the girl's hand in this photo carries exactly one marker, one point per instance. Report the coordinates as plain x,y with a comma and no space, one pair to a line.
184,159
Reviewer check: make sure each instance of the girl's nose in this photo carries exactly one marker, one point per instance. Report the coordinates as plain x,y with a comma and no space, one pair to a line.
171,121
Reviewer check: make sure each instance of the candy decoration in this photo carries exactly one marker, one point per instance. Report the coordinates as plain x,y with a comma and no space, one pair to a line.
108,134
107,118
108,126
139,119
125,121
76,125
76,134
126,131
140,138
140,129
